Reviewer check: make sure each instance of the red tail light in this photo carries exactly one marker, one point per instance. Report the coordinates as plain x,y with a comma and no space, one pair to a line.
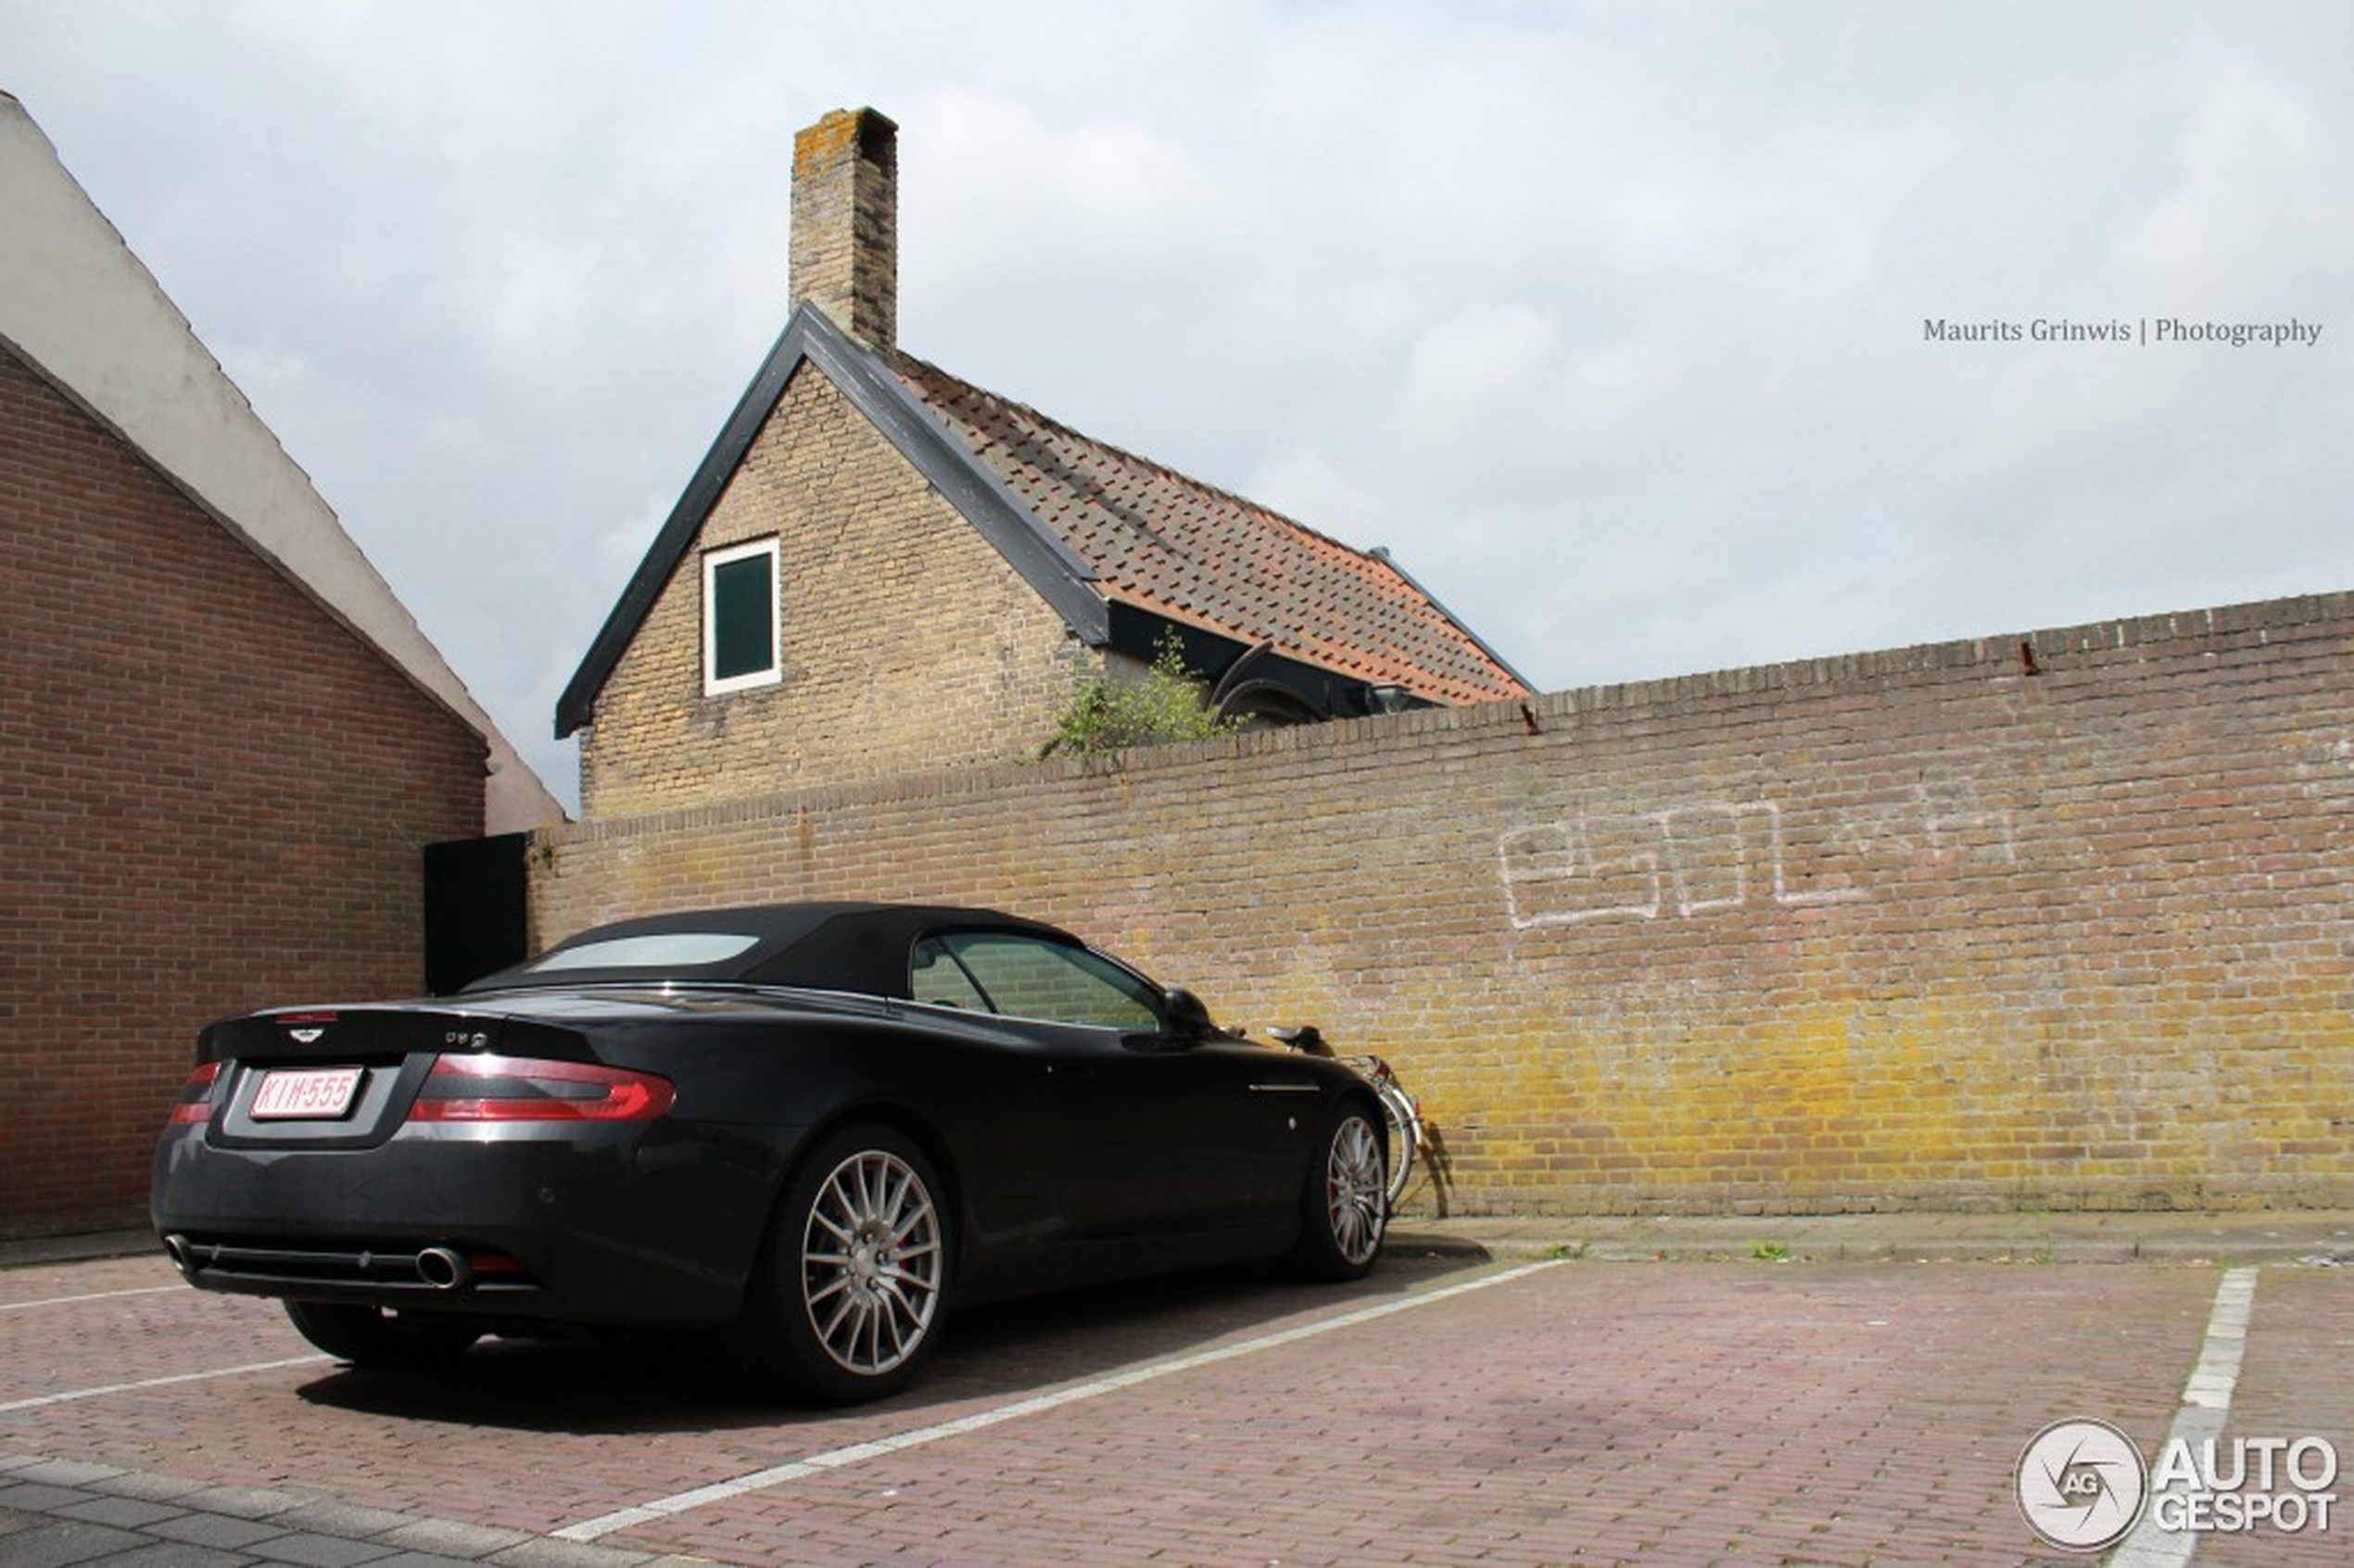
196,1097
524,1089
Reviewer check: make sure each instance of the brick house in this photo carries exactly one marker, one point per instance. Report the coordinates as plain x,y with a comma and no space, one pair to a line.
223,745
881,568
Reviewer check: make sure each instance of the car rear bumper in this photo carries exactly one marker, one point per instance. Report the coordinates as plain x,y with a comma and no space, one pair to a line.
582,1225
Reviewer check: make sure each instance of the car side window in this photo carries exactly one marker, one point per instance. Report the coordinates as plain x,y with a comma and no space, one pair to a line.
1022,977
936,977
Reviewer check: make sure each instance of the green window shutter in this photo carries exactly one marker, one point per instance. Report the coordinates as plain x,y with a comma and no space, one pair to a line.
743,612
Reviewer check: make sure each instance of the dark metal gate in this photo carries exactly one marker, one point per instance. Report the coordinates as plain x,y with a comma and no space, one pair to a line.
477,909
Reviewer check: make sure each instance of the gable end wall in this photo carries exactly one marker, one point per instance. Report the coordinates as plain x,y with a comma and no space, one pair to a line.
212,797
907,641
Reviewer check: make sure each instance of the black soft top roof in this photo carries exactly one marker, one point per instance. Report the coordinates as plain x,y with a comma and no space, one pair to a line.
828,946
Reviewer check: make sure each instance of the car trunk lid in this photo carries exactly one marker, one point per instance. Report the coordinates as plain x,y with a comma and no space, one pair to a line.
350,1077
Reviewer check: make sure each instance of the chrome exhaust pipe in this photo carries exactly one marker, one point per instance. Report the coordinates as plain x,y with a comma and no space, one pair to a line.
443,1269
176,1248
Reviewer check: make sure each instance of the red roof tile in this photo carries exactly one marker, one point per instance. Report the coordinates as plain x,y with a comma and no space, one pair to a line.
1179,548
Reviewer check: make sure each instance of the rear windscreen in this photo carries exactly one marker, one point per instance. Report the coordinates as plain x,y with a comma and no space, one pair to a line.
659,950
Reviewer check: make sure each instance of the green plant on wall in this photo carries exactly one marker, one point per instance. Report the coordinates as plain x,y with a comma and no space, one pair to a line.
1164,703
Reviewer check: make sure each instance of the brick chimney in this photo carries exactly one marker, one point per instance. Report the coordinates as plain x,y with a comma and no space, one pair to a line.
846,223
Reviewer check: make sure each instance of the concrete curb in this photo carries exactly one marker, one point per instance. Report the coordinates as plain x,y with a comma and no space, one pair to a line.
2319,1238
56,1511
24,1251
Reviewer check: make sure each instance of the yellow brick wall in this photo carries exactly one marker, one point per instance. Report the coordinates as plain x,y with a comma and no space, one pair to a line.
1910,930
906,641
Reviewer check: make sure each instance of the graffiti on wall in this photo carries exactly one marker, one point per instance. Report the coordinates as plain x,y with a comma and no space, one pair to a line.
1942,824
1688,860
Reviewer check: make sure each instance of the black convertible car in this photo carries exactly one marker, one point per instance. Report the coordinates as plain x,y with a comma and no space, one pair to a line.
816,1125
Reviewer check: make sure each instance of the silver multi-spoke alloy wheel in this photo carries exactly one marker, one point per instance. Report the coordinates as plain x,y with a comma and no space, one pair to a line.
1356,1194
871,1262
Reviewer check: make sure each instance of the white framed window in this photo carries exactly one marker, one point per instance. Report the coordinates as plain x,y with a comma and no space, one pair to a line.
739,618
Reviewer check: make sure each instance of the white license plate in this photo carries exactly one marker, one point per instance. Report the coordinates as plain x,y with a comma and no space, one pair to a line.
312,1095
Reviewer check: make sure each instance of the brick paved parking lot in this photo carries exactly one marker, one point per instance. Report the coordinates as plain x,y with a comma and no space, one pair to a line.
1451,1409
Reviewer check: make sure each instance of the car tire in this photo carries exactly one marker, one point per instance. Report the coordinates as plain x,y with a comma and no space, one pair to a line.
851,1293
376,1340
1344,1200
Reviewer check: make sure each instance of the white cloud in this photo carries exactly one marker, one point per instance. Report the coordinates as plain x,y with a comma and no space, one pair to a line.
2254,217
1607,318
1007,210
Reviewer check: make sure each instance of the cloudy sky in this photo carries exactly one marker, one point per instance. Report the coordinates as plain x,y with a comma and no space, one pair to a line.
1613,321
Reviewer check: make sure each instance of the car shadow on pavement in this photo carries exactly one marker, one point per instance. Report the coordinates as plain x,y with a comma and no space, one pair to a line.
669,1382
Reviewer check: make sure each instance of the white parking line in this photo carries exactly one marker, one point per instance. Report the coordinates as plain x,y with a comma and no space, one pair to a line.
94,1296
834,1459
70,1396
2207,1405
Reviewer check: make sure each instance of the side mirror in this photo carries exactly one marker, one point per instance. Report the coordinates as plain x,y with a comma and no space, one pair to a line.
1188,1016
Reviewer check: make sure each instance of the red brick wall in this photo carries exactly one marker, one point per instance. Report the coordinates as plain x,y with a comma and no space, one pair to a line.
2060,921
211,797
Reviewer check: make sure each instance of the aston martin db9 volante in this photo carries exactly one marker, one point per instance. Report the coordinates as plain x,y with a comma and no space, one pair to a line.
815,1125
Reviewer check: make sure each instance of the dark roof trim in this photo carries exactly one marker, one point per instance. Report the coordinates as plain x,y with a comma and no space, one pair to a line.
1048,565
1380,553
974,489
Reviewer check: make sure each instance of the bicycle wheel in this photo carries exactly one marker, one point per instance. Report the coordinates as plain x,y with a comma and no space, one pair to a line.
1405,1122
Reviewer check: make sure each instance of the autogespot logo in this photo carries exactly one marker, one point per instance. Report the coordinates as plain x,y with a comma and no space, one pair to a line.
2081,1484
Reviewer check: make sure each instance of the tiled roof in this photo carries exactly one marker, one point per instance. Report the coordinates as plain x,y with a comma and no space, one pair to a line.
1092,528
1178,548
